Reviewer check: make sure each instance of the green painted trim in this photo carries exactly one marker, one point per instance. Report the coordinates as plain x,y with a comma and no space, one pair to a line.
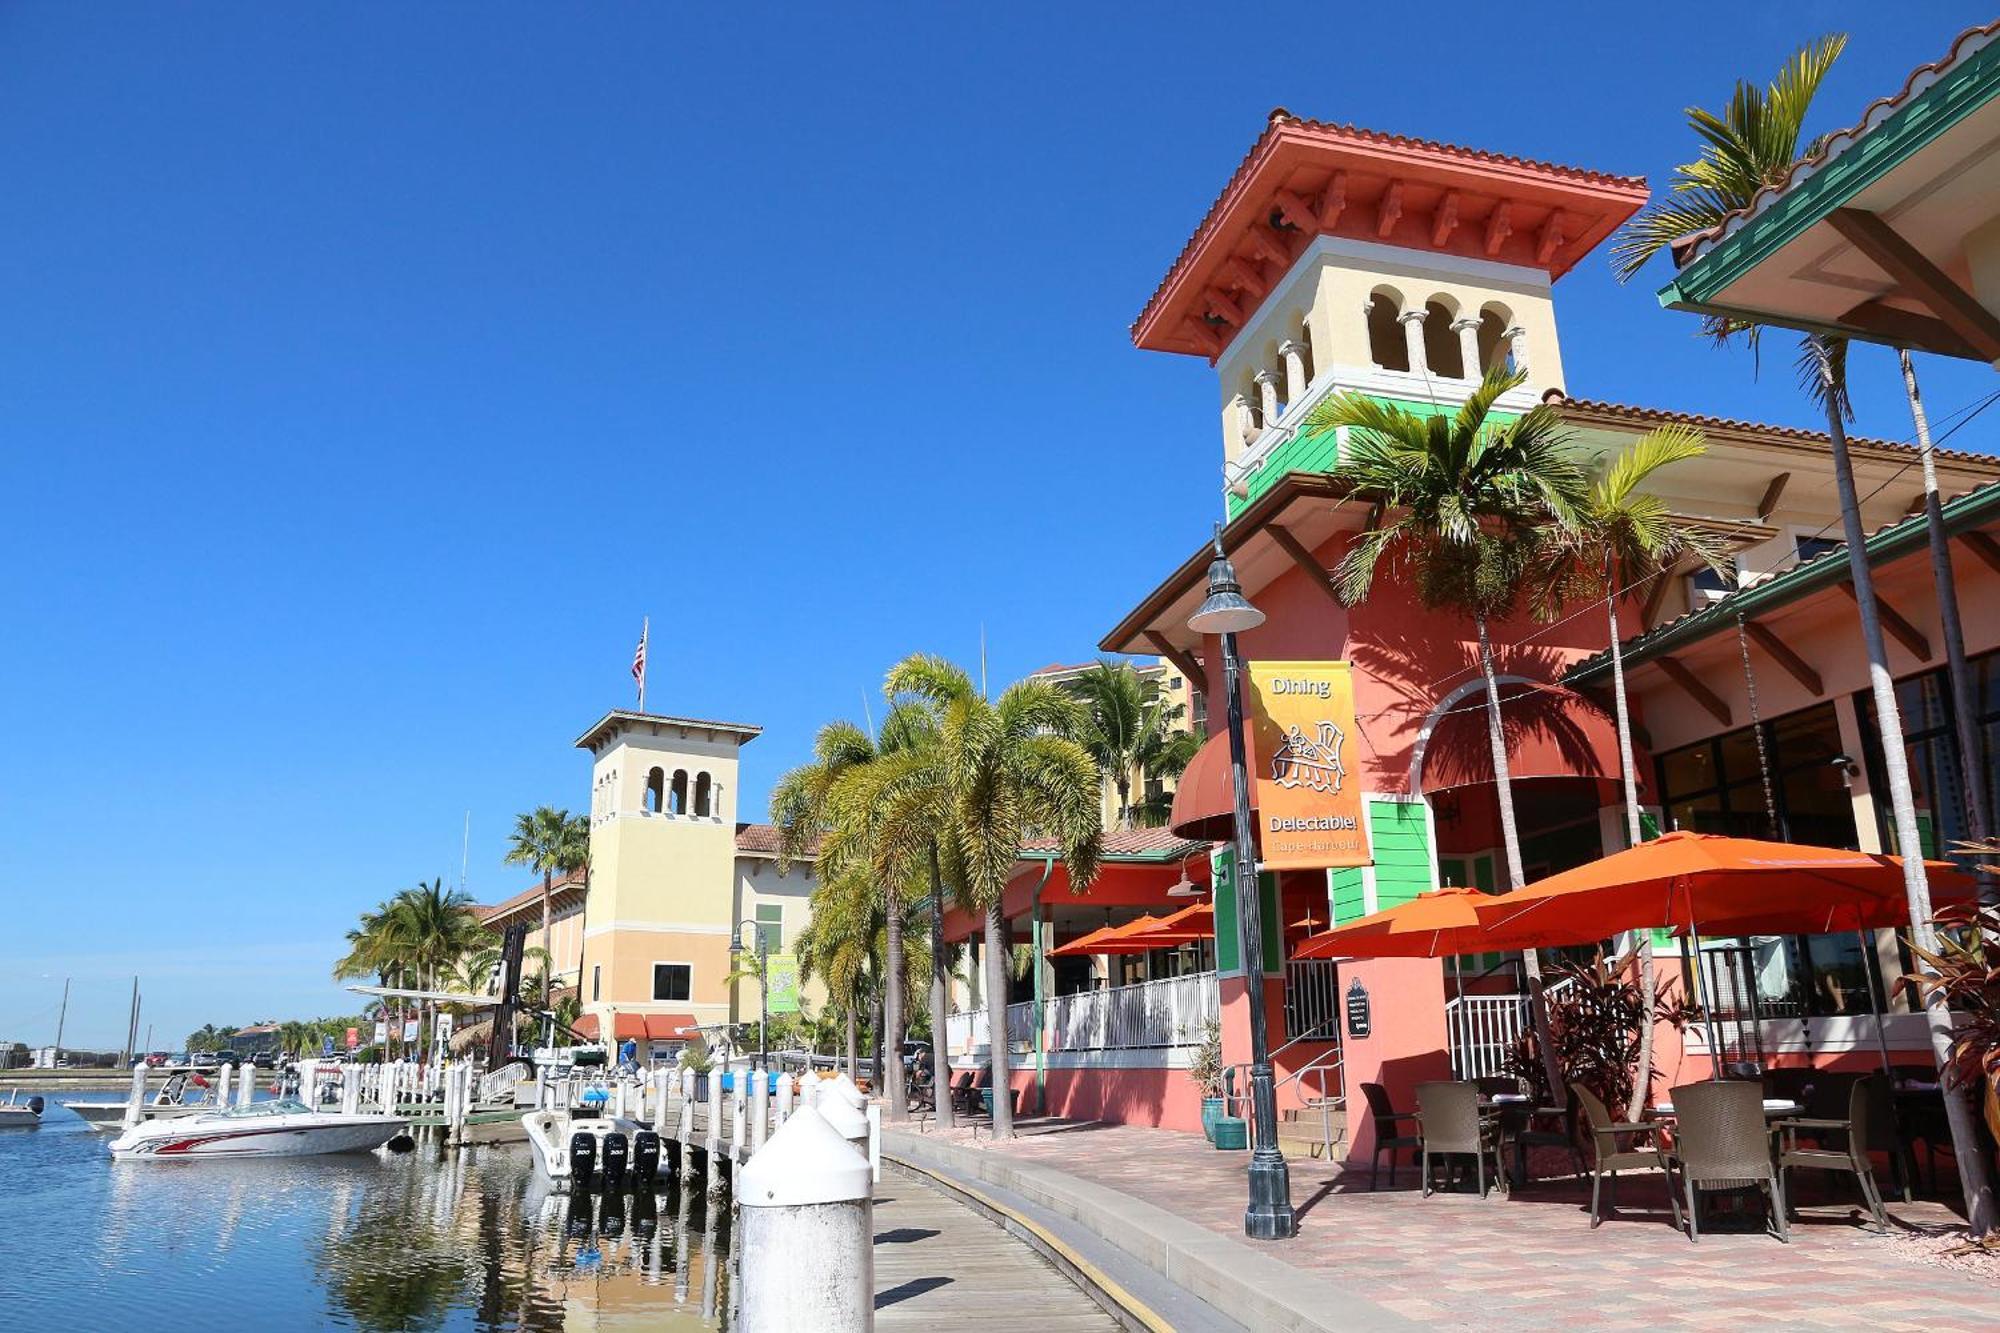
1963,89
1316,451
1971,510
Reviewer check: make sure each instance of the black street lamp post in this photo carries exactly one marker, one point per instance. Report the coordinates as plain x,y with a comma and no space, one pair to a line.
1269,1216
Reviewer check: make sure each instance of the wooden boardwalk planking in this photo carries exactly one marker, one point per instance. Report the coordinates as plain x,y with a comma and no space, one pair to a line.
939,1265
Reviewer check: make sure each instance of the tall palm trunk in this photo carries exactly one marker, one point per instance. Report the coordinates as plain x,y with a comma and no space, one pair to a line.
853,1043
1966,1148
1510,838
1642,1077
893,990
996,1021
940,988
548,888
875,1043
1964,709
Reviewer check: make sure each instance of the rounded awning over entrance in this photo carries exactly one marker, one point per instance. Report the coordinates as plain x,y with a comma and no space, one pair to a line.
1205,798
1551,733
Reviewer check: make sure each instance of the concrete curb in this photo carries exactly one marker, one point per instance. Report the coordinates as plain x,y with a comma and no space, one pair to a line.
1252,1285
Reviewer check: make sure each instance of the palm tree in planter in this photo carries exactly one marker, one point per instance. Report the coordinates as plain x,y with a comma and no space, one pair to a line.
1130,727
1621,536
1469,505
1752,144
1012,769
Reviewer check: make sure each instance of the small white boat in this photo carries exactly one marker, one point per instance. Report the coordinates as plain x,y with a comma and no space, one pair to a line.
283,1128
589,1148
18,1114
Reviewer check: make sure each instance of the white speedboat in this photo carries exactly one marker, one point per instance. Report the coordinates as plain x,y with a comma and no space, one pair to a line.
587,1148
18,1114
283,1128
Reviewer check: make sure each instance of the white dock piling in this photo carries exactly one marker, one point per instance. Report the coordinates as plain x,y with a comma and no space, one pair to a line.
684,1130
851,1121
246,1088
760,1110
137,1098
874,1140
739,1117
783,1111
222,1078
712,1131
808,1232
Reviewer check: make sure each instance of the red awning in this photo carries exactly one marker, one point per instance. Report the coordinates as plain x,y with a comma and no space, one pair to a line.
640,1027
1551,733
1205,798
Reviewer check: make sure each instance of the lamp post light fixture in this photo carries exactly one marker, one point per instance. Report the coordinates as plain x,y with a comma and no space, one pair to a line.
763,984
1226,612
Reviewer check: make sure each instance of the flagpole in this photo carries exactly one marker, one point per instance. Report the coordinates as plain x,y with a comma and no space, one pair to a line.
645,629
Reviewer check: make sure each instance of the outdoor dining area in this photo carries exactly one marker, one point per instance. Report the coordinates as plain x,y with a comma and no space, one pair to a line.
1743,1136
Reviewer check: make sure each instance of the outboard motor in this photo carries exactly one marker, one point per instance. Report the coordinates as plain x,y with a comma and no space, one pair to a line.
35,1105
611,1222
582,1158
617,1156
645,1159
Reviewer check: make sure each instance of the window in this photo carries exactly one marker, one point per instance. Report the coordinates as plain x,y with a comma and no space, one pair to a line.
703,796
771,927
672,981
656,791
1496,350
1808,547
678,799
596,982
1387,347
1707,580
1443,354
1931,745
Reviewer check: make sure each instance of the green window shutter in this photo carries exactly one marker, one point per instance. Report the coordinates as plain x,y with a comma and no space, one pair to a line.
1222,870
1401,843
1350,901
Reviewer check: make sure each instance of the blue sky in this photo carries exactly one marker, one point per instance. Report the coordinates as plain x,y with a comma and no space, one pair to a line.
368,371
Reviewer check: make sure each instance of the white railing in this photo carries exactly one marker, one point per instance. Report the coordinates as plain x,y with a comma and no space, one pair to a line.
1482,1030
1153,1015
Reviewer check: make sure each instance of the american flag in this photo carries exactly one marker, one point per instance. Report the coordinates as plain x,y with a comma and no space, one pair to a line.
639,660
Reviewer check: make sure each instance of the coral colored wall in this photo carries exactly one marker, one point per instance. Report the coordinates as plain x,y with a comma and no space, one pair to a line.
1406,1041
1155,1098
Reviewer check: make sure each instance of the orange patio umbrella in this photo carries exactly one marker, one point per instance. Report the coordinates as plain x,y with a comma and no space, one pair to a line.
1087,944
1192,923
1434,924
1692,881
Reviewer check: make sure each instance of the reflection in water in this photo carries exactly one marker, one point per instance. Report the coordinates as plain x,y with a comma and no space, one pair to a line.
468,1239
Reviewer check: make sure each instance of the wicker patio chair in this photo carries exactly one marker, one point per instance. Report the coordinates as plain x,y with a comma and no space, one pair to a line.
1448,1115
1611,1156
1558,1131
1721,1142
1384,1119
1851,1155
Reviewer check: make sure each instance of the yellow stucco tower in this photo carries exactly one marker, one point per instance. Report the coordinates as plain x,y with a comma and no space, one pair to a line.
663,869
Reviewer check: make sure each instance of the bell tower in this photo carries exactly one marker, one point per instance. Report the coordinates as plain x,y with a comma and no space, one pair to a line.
662,865
1346,260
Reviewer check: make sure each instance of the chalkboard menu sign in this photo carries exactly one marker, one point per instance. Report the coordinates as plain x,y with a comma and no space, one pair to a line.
1357,1009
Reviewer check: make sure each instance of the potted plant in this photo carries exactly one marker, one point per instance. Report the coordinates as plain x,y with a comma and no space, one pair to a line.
1205,1068
1967,960
695,1056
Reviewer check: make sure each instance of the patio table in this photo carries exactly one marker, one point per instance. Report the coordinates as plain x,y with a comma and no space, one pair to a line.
1772,1106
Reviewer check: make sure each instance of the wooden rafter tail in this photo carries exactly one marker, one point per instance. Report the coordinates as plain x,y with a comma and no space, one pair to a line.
1304,559
1184,661
1919,279
1781,653
1900,629
1691,685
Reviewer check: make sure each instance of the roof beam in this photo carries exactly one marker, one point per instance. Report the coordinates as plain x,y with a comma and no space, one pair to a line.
1267,247
1303,558
1238,276
1223,306
1499,226
1445,218
1794,665
1204,338
1982,546
1190,667
1658,593
1333,201
1900,629
1920,279
1295,211
1389,209
1906,328
1769,504
1700,693
1551,237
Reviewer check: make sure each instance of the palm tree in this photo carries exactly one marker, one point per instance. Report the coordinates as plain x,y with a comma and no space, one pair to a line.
1620,538
1752,144
573,858
1467,503
1131,728
1012,769
543,842
823,808
838,945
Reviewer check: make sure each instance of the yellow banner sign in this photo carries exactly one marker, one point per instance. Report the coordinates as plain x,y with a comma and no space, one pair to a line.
1308,787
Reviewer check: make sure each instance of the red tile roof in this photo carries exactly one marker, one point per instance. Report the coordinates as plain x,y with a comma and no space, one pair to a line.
1962,46
531,896
1648,417
1152,843
765,840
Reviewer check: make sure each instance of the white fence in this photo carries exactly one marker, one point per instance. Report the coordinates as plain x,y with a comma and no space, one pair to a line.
1153,1015
1482,1030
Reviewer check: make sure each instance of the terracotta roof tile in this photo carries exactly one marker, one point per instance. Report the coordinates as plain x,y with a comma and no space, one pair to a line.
1653,416
1127,842
531,894
1965,44
764,840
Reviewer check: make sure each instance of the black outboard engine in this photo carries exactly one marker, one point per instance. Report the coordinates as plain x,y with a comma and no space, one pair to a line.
35,1105
611,1222
617,1156
582,1158
645,1159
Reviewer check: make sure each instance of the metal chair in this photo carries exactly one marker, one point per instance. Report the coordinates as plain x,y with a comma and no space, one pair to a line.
1852,1135
1612,1156
1383,1118
1448,1114
1563,1134
1721,1142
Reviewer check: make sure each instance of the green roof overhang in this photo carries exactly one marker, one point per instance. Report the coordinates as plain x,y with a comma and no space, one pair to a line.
1869,160
1963,513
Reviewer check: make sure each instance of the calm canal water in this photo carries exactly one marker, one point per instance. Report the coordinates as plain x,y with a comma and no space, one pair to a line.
467,1240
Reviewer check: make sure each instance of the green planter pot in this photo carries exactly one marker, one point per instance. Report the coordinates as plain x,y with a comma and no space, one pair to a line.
1211,1110
986,1101
1232,1134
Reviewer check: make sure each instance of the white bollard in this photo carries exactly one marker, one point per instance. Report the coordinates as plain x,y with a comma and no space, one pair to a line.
851,1121
684,1128
247,1088
807,1244
137,1098
874,1140
350,1090
541,1087
844,1087
760,1110
738,1119
222,1078
711,1133
784,1108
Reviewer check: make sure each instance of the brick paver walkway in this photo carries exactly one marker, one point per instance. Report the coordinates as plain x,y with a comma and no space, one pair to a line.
1523,1261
